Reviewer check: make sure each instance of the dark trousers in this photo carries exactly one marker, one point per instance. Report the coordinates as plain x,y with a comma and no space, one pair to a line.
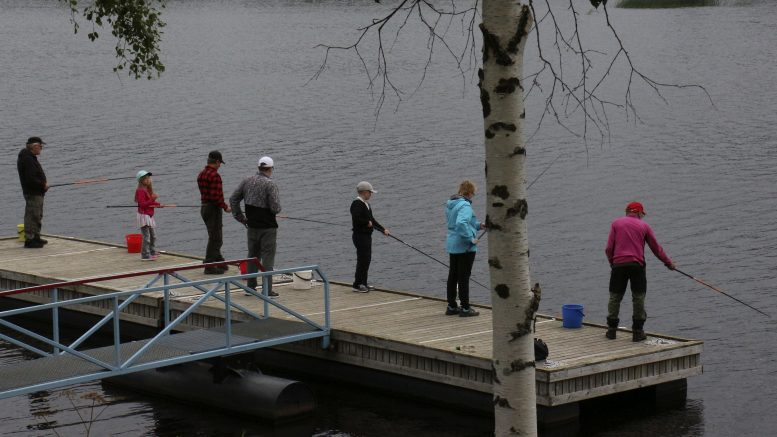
458,278
33,217
363,243
211,215
262,245
620,276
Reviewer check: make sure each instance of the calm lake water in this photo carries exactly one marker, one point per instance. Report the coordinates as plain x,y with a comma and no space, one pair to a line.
237,80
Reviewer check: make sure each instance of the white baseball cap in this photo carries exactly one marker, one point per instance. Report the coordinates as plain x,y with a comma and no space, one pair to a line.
265,162
141,174
364,186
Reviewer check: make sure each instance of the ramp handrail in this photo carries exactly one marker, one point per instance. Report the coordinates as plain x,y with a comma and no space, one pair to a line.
163,270
209,288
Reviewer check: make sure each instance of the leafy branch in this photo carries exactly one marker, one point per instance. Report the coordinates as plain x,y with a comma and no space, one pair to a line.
137,27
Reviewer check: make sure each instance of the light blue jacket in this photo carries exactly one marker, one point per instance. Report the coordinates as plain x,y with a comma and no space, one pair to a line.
462,226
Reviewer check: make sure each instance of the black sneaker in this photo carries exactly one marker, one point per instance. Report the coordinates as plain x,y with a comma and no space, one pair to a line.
33,244
468,312
272,294
370,288
361,289
452,311
42,241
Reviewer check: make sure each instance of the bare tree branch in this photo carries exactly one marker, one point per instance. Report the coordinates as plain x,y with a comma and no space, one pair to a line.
437,21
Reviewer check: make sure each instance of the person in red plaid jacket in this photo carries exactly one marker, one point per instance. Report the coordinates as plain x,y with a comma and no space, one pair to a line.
212,197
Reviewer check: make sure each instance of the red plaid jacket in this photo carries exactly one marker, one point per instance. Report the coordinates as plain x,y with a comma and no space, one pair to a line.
211,190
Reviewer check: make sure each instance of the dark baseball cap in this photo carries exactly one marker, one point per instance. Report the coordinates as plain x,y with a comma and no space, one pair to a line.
216,156
34,140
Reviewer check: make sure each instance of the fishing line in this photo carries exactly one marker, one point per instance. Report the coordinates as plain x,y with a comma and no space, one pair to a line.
435,259
89,181
165,205
96,181
392,236
543,171
310,220
720,291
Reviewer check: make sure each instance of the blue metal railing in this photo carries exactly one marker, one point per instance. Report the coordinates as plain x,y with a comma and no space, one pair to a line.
120,300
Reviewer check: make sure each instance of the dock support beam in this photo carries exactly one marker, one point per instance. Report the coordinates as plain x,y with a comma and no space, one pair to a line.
560,420
670,395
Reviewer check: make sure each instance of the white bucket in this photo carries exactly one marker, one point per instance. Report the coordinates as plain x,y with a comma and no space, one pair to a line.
302,280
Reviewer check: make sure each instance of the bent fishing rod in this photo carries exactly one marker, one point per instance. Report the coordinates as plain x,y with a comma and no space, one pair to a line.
720,291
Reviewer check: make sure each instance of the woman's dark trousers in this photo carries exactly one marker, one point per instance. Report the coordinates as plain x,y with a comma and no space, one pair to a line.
458,278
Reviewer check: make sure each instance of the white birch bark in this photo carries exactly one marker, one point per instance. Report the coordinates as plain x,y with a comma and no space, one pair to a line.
505,27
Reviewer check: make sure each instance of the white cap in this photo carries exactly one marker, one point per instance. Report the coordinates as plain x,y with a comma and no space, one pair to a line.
364,186
265,162
141,174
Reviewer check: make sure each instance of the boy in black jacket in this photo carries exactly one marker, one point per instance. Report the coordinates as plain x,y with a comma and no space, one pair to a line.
363,224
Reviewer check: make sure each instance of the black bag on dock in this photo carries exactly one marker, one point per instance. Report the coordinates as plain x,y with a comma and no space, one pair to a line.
540,350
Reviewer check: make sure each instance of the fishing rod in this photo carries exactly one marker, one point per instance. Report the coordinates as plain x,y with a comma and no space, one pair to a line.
543,171
435,259
720,291
95,181
90,181
392,236
310,220
164,205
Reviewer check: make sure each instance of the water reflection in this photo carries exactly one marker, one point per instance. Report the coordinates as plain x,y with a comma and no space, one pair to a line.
628,415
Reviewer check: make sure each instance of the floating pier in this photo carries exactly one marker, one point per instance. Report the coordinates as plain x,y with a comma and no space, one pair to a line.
402,337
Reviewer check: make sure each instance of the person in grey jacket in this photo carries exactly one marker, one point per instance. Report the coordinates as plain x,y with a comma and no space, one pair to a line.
34,187
262,203
461,246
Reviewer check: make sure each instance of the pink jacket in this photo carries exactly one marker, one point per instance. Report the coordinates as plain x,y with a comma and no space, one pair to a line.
145,202
627,239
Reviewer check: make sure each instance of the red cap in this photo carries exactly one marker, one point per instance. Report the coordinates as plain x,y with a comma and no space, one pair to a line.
635,207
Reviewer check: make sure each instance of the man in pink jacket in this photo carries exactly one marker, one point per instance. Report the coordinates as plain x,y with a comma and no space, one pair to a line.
626,253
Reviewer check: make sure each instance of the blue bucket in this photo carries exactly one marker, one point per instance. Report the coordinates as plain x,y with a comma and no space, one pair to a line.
572,315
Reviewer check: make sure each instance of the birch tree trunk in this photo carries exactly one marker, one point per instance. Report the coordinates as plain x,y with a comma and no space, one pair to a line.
505,27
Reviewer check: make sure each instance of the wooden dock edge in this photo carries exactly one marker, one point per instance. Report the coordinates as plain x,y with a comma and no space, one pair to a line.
456,370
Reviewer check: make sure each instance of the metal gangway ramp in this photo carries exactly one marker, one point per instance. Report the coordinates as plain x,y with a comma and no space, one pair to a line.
62,365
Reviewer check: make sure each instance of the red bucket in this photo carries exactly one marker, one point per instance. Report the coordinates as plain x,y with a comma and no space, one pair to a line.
243,268
133,242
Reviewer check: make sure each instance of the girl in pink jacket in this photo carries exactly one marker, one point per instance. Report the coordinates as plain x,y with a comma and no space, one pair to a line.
146,200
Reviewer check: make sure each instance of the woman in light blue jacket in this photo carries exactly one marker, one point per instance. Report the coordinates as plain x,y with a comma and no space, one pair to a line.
461,246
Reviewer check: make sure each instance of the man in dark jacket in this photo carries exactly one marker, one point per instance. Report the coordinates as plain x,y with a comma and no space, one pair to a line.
212,197
363,224
262,202
34,187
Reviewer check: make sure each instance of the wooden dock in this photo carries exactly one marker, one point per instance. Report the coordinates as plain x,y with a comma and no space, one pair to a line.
397,333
